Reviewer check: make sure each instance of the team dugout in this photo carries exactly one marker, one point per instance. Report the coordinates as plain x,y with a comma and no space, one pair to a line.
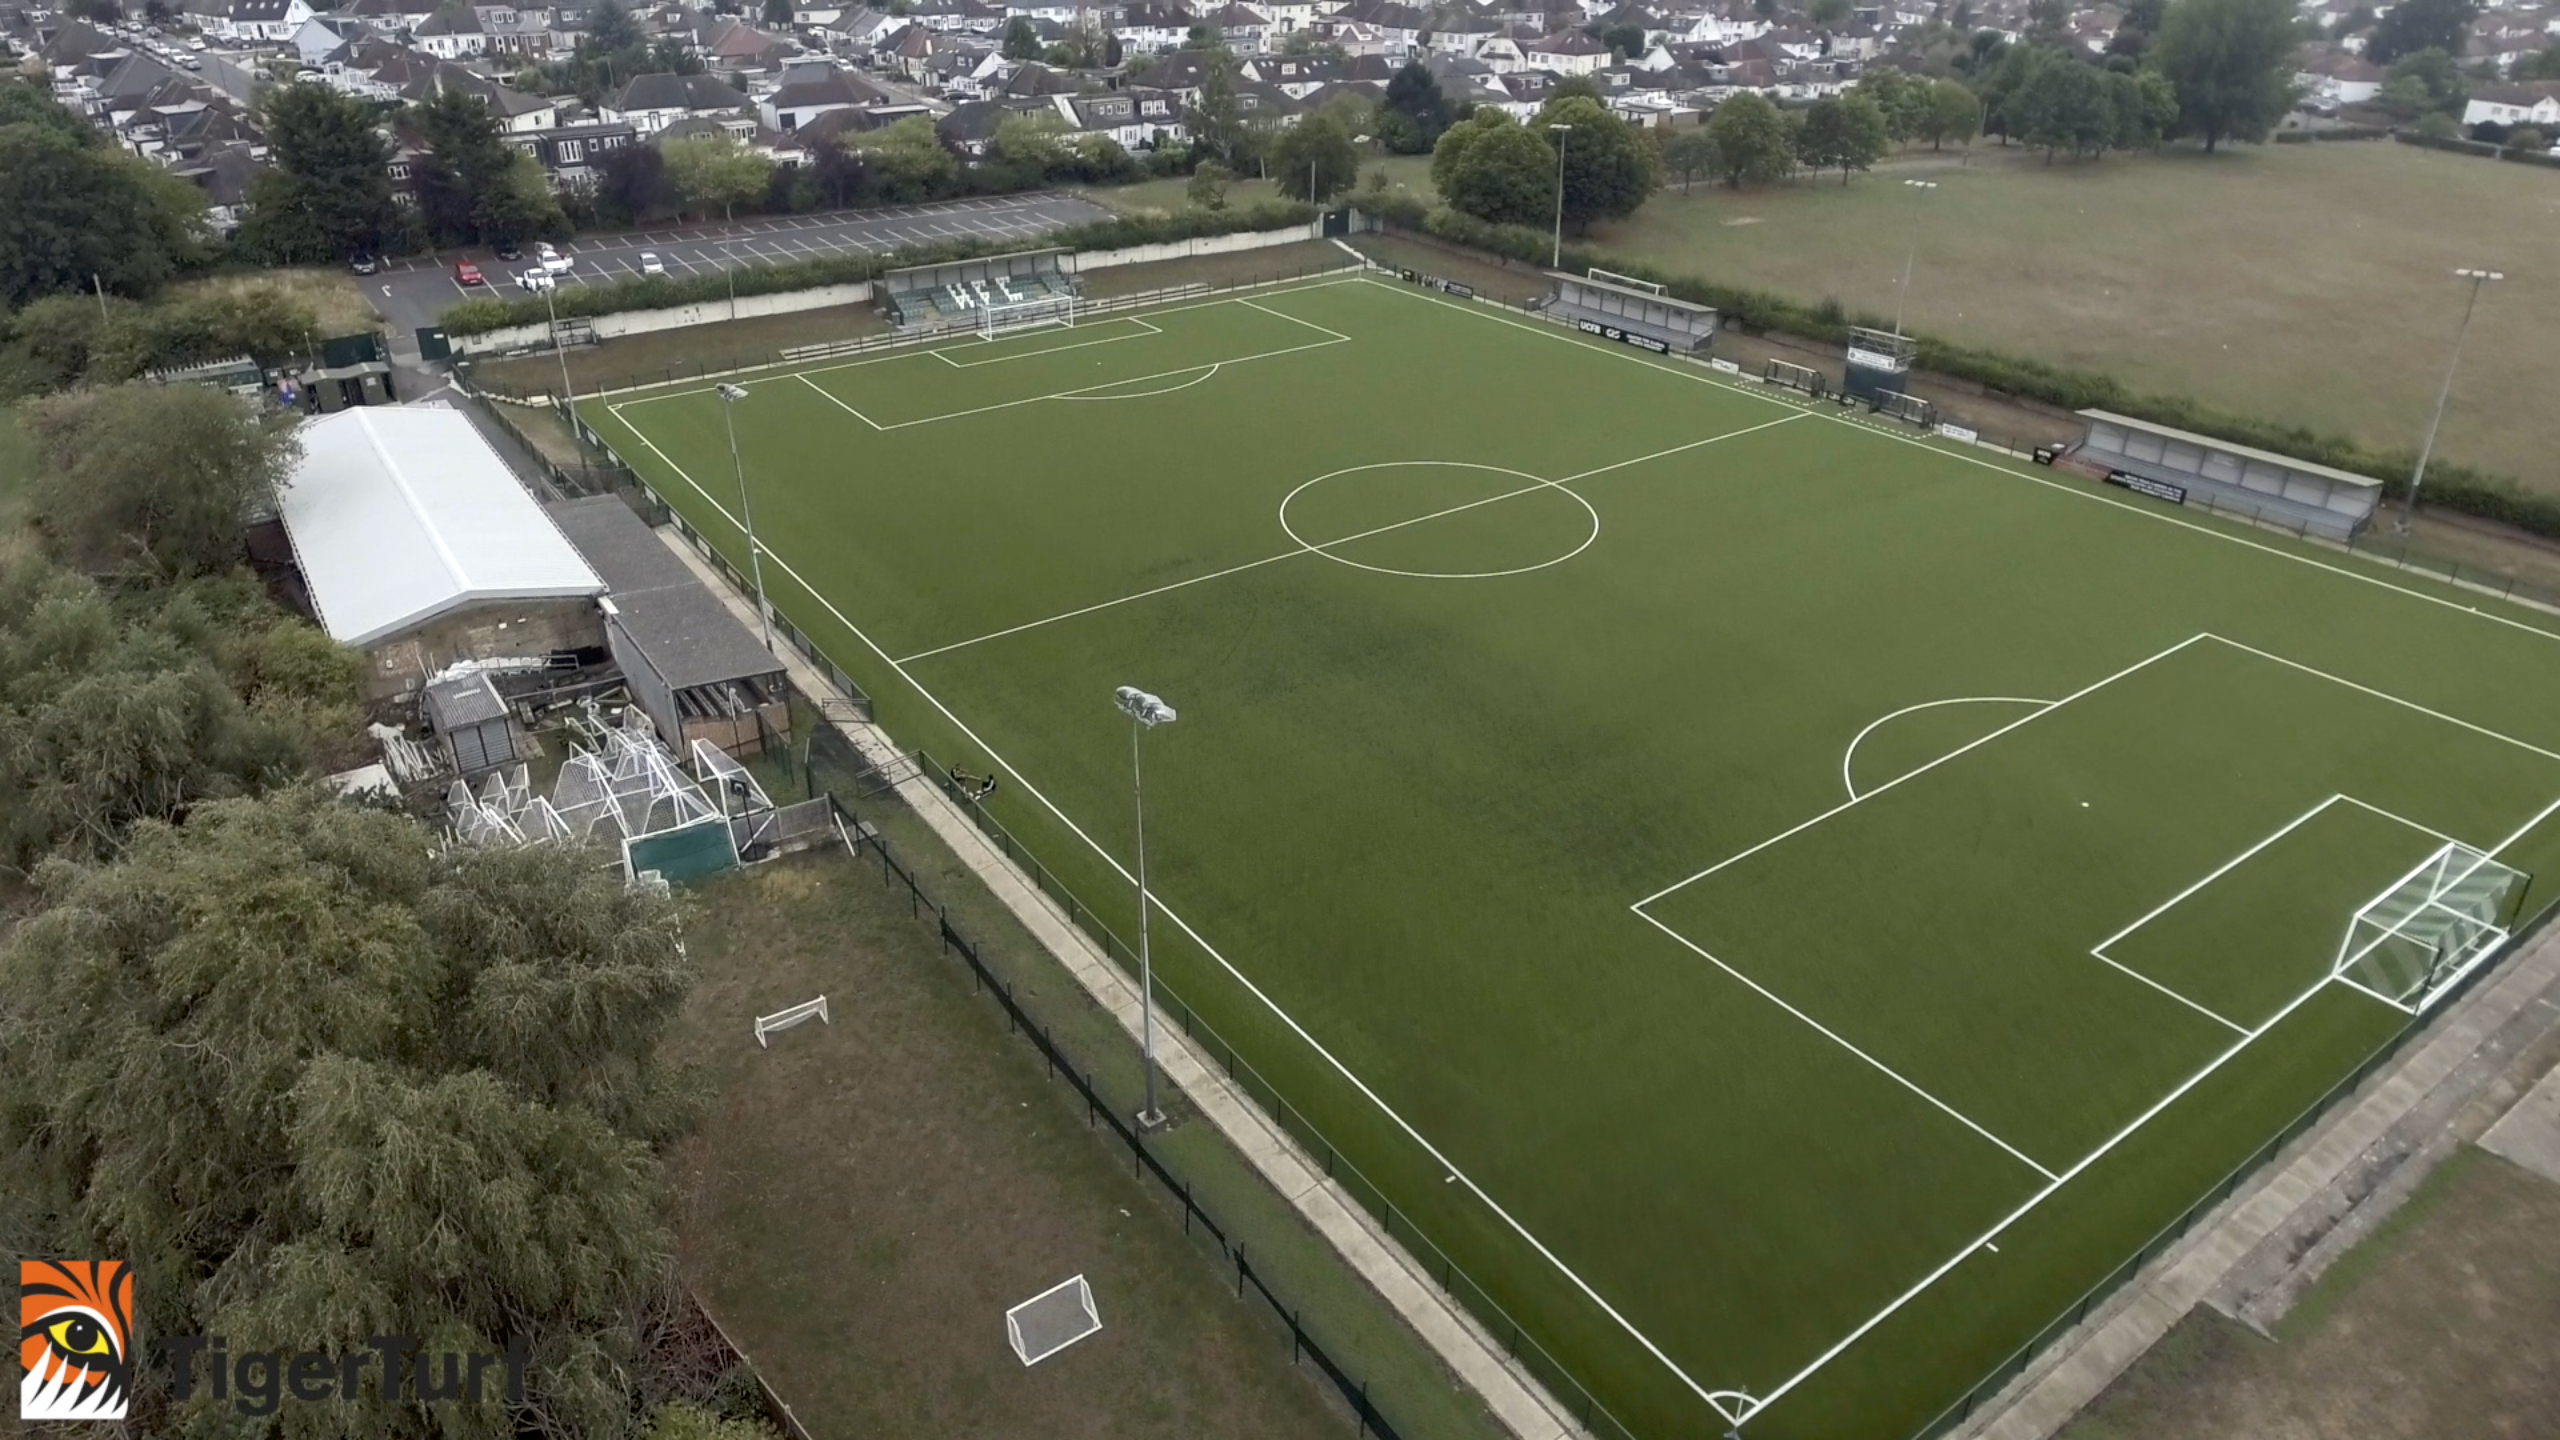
2179,466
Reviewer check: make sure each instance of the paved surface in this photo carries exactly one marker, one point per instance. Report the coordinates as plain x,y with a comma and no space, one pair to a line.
2438,1071
414,291
2530,1133
1514,1398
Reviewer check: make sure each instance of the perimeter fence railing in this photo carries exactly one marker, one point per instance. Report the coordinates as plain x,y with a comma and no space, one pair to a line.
1988,1388
1145,1160
1358,1187
709,358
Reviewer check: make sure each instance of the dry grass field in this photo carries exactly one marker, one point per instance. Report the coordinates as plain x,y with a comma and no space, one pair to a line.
2307,283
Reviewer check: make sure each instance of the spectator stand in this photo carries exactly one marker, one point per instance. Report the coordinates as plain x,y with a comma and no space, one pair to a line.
1631,312
2181,468
954,293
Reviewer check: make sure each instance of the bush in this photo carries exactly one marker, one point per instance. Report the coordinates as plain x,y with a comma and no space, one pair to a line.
661,292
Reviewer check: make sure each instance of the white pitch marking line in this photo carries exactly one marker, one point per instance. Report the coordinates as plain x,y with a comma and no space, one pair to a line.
2386,695
1173,917
2078,492
1340,540
2217,1017
1852,752
1808,824
1292,319
1836,1038
840,404
2217,872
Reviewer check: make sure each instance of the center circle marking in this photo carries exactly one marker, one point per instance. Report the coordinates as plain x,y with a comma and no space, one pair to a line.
1538,484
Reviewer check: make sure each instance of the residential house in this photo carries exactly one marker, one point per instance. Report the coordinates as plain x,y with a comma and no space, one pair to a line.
2535,103
249,19
450,34
1567,52
573,155
1135,119
1244,28
321,36
809,91
2334,77
1151,27
518,113
651,103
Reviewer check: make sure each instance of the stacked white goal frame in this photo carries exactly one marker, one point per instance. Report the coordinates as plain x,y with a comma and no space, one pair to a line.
1001,317
2434,925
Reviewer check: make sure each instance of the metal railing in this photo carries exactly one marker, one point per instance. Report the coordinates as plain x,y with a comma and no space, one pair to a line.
1099,1111
1363,1192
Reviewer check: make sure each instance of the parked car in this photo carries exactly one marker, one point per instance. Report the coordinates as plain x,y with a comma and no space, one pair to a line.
510,252
537,280
650,264
553,262
189,62
365,265
195,42
466,273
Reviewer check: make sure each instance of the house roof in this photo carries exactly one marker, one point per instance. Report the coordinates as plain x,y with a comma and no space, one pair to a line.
665,91
681,628
401,514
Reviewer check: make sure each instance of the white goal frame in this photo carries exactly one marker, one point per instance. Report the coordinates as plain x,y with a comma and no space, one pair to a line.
1004,317
2407,946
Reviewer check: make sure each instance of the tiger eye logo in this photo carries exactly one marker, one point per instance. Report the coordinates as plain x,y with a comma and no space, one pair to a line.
75,1339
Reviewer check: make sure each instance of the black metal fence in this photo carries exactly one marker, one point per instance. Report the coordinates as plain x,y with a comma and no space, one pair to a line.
1359,1188
1099,1112
2017,1361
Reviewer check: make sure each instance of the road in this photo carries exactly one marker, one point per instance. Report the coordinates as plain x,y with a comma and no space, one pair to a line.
413,292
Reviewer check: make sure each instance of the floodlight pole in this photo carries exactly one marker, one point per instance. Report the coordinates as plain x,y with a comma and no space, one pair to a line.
730,395
1908,257
1145,712
2478,278
551,305
1564,136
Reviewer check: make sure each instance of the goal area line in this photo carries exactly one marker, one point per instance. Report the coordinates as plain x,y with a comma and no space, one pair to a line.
2245,1035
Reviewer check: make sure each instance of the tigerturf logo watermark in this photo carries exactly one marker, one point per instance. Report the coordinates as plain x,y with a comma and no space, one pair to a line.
77,1346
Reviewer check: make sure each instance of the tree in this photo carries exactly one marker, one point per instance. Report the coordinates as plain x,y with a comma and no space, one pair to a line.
466,185
715,172
2065,106
1609,169
611,29
1497,170
360,1086
1314,158
149,481
1903,100
1215,121
2423,81
1952,112
1846,132
2543,64
1626,40
1826,13
328,193
633,181
2231,64
1415,112
2526,140
908,161
80,214
1751,140
2146,108
777,13
122,706
1208,188
836,171
2415,25
1021,39
1690,153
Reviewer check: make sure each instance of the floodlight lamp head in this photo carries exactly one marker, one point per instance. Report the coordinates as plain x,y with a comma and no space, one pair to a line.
1142,707
2471,274
1553,126
733,393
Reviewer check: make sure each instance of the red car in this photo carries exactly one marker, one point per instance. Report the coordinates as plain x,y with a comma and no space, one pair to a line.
467,273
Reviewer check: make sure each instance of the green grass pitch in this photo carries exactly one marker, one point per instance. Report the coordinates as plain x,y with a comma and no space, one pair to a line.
1785,905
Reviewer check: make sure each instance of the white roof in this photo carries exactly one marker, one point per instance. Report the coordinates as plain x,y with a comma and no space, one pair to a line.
399,514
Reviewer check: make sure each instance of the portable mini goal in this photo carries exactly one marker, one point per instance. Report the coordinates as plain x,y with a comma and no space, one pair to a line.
2436,924
1052,1320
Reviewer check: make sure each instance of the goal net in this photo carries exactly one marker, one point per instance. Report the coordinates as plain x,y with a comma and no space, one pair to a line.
2434,926
999,317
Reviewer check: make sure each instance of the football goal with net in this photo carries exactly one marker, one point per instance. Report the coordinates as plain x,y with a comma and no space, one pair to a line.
2408,945
1004,316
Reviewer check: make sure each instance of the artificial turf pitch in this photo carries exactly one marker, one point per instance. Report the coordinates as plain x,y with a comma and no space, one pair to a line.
1560,817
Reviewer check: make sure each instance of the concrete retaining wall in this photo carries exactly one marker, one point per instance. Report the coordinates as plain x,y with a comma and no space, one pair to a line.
712,312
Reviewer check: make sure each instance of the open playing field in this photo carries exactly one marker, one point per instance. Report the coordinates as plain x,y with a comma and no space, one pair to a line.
1784,906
